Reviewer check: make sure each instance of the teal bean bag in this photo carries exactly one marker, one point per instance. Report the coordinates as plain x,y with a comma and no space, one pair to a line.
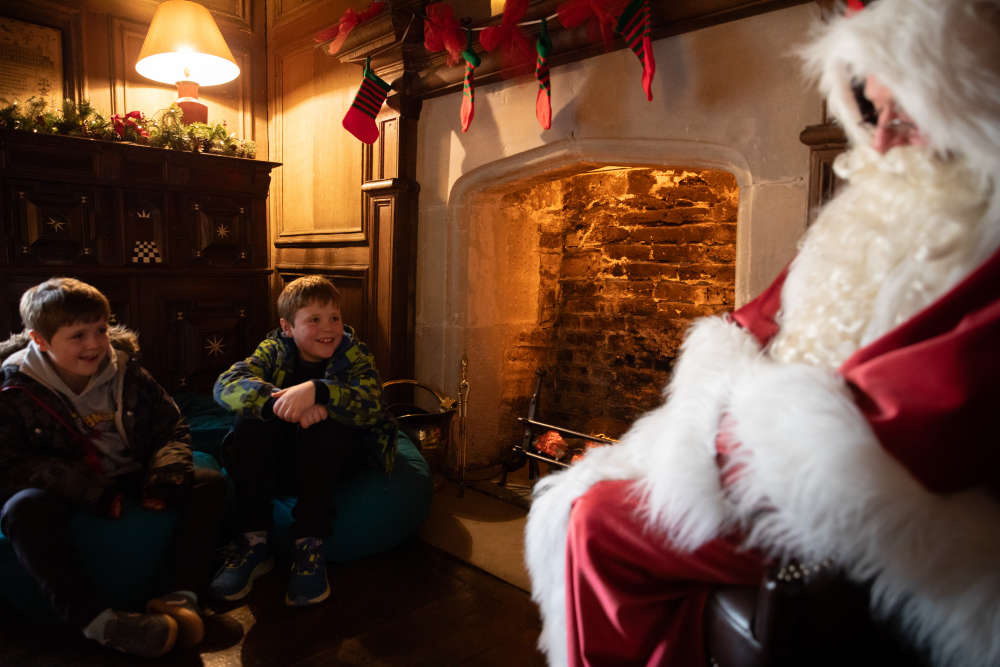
374,511
125,557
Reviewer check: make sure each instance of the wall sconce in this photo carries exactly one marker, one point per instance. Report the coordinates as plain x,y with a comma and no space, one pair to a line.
184,47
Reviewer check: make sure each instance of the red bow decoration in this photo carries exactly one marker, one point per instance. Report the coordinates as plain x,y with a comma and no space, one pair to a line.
442,32
348,22
127,126
600,16
516,53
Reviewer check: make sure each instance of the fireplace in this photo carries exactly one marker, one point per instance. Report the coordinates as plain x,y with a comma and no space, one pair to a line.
703,197
589,270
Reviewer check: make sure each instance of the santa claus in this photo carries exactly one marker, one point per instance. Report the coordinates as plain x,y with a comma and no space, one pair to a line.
847,412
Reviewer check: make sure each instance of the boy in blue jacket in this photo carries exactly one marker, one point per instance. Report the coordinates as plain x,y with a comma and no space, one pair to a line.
307,399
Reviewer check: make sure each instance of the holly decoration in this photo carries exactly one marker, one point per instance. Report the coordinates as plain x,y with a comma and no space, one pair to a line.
635,26
469,84
360,118
543,102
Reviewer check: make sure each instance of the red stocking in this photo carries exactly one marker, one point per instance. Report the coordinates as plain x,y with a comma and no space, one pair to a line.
635,25
360,118
543,103
469,87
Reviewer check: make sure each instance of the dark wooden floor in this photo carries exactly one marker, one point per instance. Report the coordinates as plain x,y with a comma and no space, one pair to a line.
414,605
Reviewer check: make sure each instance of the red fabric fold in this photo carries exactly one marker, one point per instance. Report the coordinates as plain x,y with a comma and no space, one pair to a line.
348,22
442,32
517,56
600,16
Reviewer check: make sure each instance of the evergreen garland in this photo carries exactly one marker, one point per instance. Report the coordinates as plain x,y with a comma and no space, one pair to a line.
164,130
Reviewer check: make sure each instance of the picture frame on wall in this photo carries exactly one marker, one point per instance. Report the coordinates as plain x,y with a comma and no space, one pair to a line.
39,53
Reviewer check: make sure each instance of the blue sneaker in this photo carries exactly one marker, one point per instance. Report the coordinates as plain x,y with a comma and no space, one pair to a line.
246,563
308,584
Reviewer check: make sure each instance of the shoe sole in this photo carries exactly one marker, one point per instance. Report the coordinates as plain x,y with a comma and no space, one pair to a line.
190,627
167,645
257,573
311,601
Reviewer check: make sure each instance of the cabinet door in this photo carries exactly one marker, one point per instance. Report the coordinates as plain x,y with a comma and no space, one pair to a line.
144,228
218,231
198,326
60,223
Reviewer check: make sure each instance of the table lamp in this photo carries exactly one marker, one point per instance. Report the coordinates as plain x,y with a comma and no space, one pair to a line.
184,47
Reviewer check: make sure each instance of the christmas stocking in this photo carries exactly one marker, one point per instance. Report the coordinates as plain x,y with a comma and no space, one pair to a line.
543,103
468,88
360,118
635,26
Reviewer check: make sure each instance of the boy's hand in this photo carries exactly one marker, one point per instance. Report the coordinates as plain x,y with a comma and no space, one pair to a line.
110,503
313,415
292,402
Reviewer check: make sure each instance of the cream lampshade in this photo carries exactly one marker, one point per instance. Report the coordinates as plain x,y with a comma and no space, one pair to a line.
184,47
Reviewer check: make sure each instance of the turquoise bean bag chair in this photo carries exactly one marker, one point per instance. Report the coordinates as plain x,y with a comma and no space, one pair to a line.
124,556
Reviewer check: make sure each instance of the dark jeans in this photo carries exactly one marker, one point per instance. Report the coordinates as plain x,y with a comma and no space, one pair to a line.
274,458
37,523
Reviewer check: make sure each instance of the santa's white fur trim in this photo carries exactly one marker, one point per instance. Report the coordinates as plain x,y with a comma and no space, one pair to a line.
545,536
933,557
681,487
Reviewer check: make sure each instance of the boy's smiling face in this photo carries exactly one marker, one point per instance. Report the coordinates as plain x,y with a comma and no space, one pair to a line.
316,329
76,350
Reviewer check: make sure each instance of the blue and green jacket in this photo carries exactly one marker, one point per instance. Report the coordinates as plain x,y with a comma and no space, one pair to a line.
350,378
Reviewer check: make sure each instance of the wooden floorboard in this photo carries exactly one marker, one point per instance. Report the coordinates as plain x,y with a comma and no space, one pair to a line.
414,605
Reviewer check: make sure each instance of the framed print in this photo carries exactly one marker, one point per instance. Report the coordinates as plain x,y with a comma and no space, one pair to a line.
31,61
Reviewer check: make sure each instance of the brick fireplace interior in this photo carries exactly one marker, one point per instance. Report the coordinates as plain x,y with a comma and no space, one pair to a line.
592,275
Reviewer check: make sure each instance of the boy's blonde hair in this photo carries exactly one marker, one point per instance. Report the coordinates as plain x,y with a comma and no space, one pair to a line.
59,302
303,291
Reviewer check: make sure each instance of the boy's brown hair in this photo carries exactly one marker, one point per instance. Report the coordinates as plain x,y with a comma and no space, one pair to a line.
303,291
59,302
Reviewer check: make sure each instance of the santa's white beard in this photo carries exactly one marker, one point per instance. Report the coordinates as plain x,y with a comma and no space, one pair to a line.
906,228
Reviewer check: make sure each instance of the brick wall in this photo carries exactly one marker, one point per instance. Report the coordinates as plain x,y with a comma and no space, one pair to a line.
628,257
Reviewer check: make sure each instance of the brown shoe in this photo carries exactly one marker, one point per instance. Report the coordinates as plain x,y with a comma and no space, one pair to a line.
190,627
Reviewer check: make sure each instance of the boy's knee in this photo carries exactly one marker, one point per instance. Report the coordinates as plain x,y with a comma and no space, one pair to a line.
31,507
209,485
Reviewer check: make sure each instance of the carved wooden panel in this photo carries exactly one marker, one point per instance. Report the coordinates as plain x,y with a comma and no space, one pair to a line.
209,326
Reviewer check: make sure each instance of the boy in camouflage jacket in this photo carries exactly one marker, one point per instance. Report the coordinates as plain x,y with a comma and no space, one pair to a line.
82,426
308,399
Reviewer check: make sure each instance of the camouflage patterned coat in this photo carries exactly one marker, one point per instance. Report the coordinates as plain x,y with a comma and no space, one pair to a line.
42,447
350,376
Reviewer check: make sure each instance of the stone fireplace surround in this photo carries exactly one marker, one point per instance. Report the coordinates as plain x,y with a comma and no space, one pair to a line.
726,97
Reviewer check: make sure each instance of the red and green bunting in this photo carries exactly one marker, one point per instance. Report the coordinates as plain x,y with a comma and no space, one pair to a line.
442,31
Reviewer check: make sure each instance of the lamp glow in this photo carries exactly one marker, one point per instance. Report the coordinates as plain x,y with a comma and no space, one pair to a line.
185,47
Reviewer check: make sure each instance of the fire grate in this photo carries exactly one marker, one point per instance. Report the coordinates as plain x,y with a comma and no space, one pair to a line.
540,442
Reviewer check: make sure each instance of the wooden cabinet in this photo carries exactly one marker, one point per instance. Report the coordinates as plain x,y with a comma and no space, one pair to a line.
177,241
